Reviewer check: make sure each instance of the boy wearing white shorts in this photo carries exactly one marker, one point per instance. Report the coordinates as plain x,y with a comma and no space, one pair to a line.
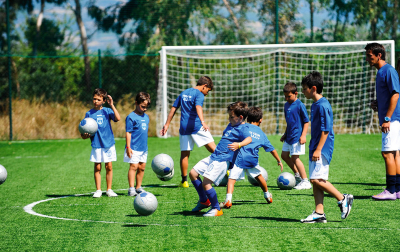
193,128
213,168
294,138
321,150
103,143
137,127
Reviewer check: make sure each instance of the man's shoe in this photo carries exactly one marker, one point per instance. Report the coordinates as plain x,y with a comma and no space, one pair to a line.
226,204
111,193
268,197
398,195
201,205
385,195
303,185
132,192
315,217
345,205
213,213
184,184
298,180
97,194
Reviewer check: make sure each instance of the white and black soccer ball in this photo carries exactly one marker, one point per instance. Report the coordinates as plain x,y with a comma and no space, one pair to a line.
162,164
88,125
286,181
167,177
145,203
253,181
224,181
3,174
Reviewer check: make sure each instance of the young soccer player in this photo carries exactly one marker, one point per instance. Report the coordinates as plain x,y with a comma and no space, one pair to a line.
193,128
388,106
321,149
294,138
137,127
246,159
213,168
103,143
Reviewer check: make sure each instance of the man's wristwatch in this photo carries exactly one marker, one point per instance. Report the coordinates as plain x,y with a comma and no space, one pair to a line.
388,119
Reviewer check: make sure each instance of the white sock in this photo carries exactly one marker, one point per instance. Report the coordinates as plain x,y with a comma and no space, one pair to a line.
266,194
228,197
304,180
297,175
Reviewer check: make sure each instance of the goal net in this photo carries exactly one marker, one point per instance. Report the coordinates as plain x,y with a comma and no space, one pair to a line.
256,75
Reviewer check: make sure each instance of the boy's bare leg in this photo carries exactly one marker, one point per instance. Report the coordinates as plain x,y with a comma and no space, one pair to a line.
390,162
109,175
97,175
184,162
299,166
286,157
263,184
397,160
326,186
131,174
140,174
230,186
211,147
319,199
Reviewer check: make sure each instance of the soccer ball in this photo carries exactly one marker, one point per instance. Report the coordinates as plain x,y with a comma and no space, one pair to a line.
167,177
162,164
224,181
3,174
253,181
88,125
145,203
286,181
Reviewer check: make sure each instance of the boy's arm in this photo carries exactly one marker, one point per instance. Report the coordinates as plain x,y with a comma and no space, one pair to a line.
317,153
111,103
234,146
304,133
171,114
389,113
199,110
129,151
276,156
85,136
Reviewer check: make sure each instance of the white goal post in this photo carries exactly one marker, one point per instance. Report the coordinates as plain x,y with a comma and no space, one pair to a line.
256,74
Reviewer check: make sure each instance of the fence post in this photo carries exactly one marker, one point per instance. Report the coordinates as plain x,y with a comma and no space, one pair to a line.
99,53
9,66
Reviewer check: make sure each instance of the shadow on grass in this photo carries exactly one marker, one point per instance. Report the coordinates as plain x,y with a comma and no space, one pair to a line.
68,195
161,186
135,225
189,213
267,218
366,184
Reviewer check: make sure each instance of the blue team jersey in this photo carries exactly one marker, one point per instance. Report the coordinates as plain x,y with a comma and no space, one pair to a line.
230,135
296,116
104,137
247,156
188,100
387,83
138,126
322,120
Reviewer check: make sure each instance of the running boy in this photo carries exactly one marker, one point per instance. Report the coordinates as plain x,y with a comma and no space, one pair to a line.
247,158
103,143
321,149
193,128
294,138
213,168
137,127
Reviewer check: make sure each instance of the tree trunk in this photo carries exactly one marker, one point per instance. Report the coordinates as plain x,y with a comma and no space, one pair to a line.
311,19
234,19
38,25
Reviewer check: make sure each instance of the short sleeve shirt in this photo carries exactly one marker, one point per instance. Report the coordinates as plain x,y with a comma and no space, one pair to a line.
104,137
387,83
296,116
138,126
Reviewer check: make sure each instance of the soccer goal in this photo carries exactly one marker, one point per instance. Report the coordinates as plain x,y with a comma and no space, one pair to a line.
256,74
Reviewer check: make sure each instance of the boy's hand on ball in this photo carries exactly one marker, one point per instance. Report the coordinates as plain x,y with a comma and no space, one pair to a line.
85,136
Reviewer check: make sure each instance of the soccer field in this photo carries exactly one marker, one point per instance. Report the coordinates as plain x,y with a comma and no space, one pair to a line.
46,204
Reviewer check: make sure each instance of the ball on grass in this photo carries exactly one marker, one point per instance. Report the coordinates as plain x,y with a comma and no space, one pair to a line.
145,203
3,174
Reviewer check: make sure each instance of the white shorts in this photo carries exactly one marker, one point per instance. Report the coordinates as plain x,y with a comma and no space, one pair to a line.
294,149
237,173
103,155
213,170
201,138
319,169
391,140
137,157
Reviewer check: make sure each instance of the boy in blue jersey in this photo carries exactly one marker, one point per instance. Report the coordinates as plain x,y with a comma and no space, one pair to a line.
213,168
193,128
103,143
388,106
294,138
137,127
246,159
321,149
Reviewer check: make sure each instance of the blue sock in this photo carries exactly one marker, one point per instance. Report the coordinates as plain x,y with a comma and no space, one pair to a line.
391,183
198,185
398,183
212,196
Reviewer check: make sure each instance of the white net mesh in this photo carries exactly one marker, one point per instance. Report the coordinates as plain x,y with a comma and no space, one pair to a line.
257,76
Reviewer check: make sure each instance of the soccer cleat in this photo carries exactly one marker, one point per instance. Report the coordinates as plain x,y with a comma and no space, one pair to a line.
226,204
268,197
201,205
213,213
140,190
97,194
385,195
345,205
184,184
298,180
132,192
303,185
314,217
398,195
111,193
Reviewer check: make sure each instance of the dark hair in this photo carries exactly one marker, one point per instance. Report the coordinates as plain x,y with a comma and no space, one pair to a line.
290,87
313,79
205,80
376,49
100,92
141,97
239,108
254,115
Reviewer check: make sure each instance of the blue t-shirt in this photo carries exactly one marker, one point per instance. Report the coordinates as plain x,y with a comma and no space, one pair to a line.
247,157
322,120
188,100
104,137
230,135
138,126
296,116
387,83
